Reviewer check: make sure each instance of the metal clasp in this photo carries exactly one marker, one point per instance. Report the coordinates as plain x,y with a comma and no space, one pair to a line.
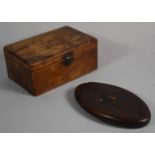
68,58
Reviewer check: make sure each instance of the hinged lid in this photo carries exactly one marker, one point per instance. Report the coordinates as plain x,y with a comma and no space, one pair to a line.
45,46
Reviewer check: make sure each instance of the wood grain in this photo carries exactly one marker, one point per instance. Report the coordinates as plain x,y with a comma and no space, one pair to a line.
37,63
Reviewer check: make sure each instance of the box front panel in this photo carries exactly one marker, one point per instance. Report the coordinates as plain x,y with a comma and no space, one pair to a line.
69,66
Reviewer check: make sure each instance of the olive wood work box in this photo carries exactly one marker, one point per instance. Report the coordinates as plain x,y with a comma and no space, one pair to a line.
46,61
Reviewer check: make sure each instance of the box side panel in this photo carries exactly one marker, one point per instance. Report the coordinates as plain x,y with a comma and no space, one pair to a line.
84,60
18,72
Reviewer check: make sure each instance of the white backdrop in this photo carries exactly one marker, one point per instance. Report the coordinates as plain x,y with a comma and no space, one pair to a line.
126,58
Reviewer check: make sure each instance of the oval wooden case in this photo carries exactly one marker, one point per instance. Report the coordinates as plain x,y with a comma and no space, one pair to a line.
113,104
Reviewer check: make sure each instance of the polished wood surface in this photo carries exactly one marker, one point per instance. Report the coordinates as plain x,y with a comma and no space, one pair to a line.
51,59
113,104
38,48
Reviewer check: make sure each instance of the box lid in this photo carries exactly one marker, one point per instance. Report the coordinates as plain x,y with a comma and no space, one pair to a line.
42,47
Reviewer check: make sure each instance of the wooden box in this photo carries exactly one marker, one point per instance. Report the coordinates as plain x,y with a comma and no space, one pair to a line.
46,61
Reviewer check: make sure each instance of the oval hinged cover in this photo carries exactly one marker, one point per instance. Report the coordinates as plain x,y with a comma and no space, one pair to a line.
113,104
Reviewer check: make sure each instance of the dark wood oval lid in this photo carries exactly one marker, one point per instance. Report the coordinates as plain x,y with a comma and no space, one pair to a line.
113,104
